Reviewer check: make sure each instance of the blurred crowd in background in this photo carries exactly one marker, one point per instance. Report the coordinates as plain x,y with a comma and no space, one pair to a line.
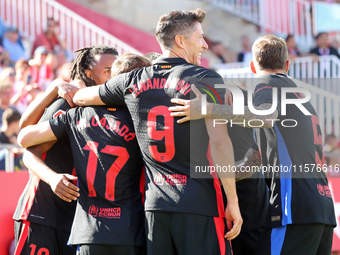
28,67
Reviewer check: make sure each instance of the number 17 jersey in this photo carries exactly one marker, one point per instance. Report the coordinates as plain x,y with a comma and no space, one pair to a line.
108,164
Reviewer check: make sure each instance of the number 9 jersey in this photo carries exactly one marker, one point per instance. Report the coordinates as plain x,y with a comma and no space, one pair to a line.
171,151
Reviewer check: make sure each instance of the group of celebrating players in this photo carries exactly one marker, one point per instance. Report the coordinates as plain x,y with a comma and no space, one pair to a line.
93,158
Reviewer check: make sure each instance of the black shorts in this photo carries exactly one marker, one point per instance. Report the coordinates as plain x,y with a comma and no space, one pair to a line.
297,239
245,243
170,233
103,249
33,238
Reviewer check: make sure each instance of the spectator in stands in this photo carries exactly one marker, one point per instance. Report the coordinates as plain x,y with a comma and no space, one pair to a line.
336,44
62,56
10,126
65,72
41,72
52,61
8,75
218,54
12,45
49,38
22,81
323,47
8,135
221,52
32,92
246,48
6,92
3,29
4,58
332,150
293,51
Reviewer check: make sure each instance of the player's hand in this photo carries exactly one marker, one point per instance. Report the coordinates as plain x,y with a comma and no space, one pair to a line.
234,220
79,83
190,109
67,91
63,188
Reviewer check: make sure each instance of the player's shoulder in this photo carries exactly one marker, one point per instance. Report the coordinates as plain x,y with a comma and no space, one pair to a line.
59,103
202,72
90,111
58,107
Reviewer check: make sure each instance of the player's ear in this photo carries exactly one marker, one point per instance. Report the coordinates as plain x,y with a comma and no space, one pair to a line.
287,65
88,74
252,67
179,40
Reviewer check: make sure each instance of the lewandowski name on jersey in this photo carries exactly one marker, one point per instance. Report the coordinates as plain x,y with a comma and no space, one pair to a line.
161,83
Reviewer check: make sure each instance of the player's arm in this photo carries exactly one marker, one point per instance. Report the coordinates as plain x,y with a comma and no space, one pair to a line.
88,96
223,155
59,183
36,109
250,164
36,134
192,109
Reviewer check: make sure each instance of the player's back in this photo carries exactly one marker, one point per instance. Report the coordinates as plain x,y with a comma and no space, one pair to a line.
108,165
292,159
170,150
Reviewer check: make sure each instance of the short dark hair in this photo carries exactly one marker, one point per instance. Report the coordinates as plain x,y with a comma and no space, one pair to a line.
288,37
128,62
85,60
51,19
9,116
177,23
270,52
152,56
320,34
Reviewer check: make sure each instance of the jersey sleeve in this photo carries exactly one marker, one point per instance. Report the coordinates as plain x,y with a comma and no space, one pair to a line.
264,94
112,92
59,106
207,85
60,123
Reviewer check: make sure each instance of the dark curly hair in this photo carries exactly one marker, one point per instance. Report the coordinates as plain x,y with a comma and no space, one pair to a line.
85,60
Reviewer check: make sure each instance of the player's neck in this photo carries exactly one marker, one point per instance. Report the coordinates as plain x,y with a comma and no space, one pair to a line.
172,54
270,71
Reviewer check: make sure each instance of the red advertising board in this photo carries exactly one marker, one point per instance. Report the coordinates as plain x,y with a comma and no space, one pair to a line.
11,187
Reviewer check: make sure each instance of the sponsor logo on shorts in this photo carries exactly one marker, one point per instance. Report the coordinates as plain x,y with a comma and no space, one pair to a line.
324,190
109,213
171,179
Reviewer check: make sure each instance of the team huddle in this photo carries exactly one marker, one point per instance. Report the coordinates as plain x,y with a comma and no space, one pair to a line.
113,176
